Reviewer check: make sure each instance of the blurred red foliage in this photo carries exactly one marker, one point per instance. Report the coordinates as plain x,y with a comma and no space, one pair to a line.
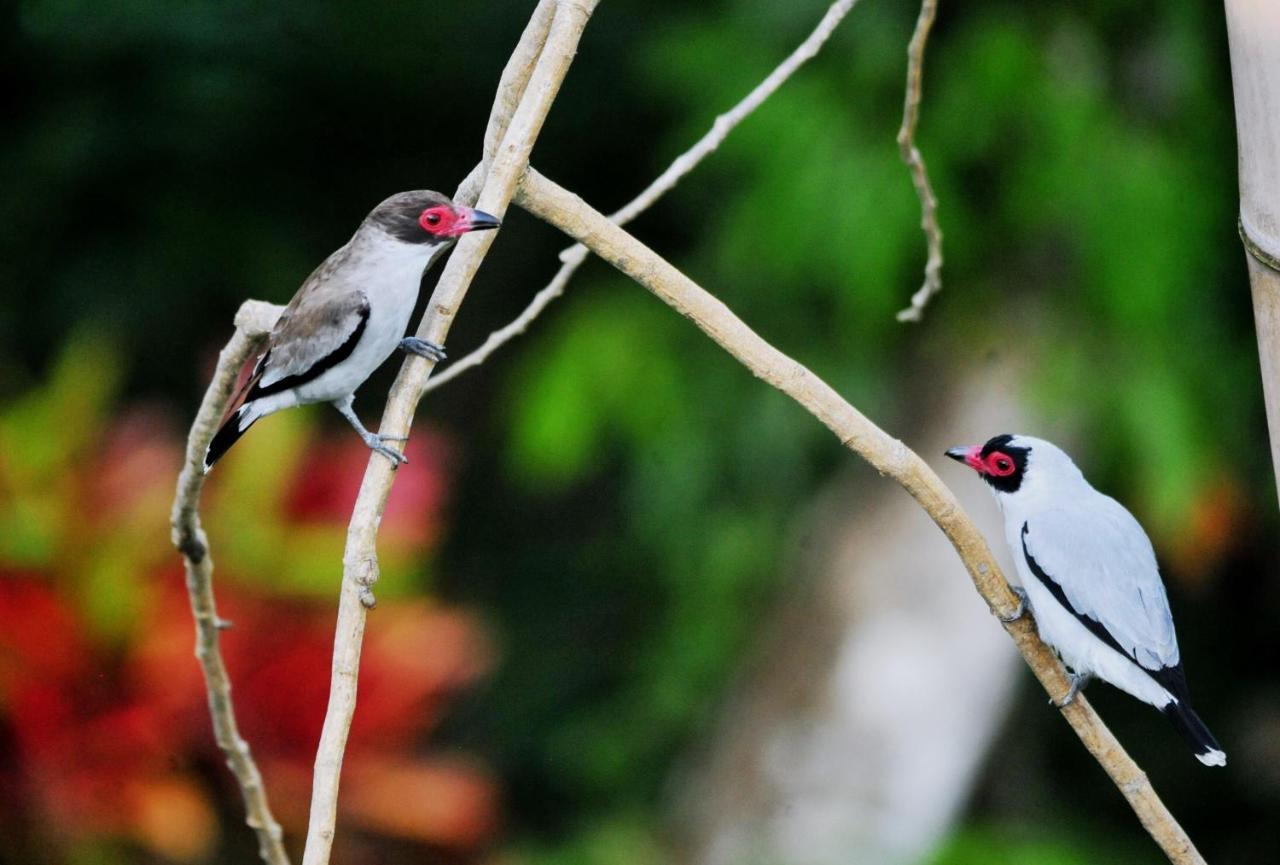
104,731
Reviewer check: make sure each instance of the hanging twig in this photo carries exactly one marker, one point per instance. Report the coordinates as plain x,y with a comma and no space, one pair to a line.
574,217
573,257
919,174
253,322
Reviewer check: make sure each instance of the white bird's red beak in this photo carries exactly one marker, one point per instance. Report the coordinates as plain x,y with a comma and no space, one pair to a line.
970,455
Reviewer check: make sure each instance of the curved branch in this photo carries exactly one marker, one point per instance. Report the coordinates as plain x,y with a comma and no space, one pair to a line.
574,256
919,174
360,562
253,322
574,217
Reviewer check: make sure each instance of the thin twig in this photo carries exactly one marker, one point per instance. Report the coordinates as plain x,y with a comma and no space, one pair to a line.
574,217
919,174
253,322
573,257
360,564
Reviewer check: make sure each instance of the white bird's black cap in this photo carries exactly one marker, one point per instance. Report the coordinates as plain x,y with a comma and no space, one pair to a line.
1002,461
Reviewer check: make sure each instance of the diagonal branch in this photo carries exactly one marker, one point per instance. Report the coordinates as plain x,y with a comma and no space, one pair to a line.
253,322
573,257
574,217
915,162
360,564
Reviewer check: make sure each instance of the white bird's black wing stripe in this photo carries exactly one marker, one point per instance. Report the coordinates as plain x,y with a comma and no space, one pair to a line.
1100,566
1172,678
1056,590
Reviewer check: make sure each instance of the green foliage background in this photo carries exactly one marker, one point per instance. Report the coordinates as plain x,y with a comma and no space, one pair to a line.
624,488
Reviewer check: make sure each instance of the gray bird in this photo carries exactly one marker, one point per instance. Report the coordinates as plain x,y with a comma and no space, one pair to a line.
1090,577
350,315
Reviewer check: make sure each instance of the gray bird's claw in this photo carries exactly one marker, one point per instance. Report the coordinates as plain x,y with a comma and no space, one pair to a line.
374,442
1021,611
422,348
1078,681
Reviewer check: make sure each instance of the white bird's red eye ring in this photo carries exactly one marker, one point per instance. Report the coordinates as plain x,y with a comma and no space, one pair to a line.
1001,465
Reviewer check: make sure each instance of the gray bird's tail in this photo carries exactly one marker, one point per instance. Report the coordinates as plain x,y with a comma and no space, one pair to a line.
1188,723
228,434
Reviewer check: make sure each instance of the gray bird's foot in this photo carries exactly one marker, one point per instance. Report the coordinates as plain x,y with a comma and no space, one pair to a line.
1078,681
1021,595
422,348
374,442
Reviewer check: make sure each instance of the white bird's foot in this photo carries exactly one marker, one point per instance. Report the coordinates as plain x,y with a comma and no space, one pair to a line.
1021,611
422,348
1078,681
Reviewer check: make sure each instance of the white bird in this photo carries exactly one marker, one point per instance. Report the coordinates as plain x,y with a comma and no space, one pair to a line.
350,315
1090,577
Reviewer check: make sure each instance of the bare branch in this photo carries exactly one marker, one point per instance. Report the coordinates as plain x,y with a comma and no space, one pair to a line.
360,564
570,214
574,256
919,174
253,322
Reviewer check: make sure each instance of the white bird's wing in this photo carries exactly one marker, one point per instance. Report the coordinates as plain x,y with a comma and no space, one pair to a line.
1098,562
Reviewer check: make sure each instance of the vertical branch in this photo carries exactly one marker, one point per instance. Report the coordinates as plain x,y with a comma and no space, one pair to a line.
1253,30
919,174
253,322
887,455
360,563
511,87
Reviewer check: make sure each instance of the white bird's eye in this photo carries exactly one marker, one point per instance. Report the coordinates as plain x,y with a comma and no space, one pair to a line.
433,219
1000,465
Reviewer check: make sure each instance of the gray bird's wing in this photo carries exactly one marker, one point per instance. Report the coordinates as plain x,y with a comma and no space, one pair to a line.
317,330
1099,564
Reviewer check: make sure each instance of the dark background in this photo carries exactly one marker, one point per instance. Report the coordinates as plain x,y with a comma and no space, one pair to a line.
609,497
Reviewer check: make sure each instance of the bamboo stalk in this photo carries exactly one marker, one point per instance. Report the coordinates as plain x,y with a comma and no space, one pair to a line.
1253,30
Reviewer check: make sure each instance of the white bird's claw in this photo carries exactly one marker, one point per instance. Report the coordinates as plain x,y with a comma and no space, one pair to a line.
1077,685
1021,611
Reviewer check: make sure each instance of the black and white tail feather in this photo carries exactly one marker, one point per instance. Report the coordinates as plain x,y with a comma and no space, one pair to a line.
1189,725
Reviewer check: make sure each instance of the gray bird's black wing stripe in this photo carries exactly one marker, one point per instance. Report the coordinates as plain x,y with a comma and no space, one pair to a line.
317,369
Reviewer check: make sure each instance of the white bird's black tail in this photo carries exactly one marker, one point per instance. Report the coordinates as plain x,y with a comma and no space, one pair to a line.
227,435
1188,723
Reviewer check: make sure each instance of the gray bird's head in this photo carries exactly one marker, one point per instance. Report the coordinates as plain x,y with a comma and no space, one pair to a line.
1018,464
423,216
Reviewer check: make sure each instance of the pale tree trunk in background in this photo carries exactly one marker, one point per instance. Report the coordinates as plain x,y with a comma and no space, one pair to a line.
858,730
1253,27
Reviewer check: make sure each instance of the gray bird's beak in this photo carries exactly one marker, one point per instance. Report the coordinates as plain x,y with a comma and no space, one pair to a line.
970,455
475,220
